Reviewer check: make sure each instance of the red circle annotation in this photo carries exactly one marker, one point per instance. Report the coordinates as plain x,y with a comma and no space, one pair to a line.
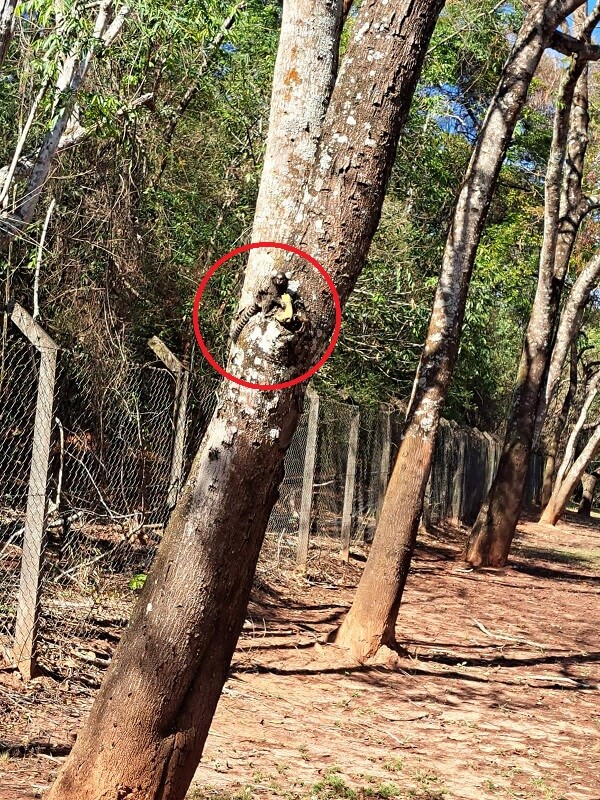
267,386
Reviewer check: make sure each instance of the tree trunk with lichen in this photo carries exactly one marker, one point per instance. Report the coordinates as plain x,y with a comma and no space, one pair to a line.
588,482
7,22
147,728
371,621
561,495
571,319
491,538
553,439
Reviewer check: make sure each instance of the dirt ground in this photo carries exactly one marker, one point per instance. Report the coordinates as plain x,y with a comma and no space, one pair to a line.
496,697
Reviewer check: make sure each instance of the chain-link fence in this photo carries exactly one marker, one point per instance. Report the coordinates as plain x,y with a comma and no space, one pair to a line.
19,371
90,467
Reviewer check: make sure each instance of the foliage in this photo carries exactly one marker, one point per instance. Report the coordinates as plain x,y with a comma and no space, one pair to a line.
141,213
137,582
386,318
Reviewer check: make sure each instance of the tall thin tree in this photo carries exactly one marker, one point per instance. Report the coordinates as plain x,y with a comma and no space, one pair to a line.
564,210
371,621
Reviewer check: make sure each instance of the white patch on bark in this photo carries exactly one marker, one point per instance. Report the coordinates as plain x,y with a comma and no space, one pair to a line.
351,120
148,608
274,434
361,32
267,340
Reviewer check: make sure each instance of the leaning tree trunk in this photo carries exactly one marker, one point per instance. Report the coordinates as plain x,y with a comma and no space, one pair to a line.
562,492
571,446
371,620
150,719
588,482
552,442
492,534
569,326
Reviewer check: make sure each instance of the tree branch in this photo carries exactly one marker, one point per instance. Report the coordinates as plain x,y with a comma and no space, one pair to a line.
570,46
70,79
7,21
192,90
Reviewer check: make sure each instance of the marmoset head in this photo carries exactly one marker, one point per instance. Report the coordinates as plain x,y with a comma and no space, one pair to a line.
280,281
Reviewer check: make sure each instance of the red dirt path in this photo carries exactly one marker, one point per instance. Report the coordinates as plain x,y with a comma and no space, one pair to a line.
497,697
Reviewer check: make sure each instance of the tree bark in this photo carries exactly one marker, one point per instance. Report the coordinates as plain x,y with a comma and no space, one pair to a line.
570,448
563,491
7,21
492,535
588,481
558,425
371,620
147,728
568,328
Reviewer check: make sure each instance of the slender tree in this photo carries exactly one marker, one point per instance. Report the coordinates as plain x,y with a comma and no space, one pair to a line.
150,719
7,22
370,623
35,169
558,423
564,210
564,489
591,390
571,318
589,481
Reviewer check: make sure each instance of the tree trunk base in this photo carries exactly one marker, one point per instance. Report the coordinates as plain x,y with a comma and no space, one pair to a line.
483,553
548,519
364,642
387,655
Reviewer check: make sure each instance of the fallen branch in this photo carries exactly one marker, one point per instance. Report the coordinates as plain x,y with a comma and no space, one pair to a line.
505,636
558,678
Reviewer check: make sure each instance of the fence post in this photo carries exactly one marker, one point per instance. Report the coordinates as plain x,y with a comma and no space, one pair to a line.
384,472
182,379
349,487
27,624
308,480
459,476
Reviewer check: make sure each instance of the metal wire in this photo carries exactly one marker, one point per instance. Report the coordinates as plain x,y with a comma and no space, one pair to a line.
109,478
19,370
